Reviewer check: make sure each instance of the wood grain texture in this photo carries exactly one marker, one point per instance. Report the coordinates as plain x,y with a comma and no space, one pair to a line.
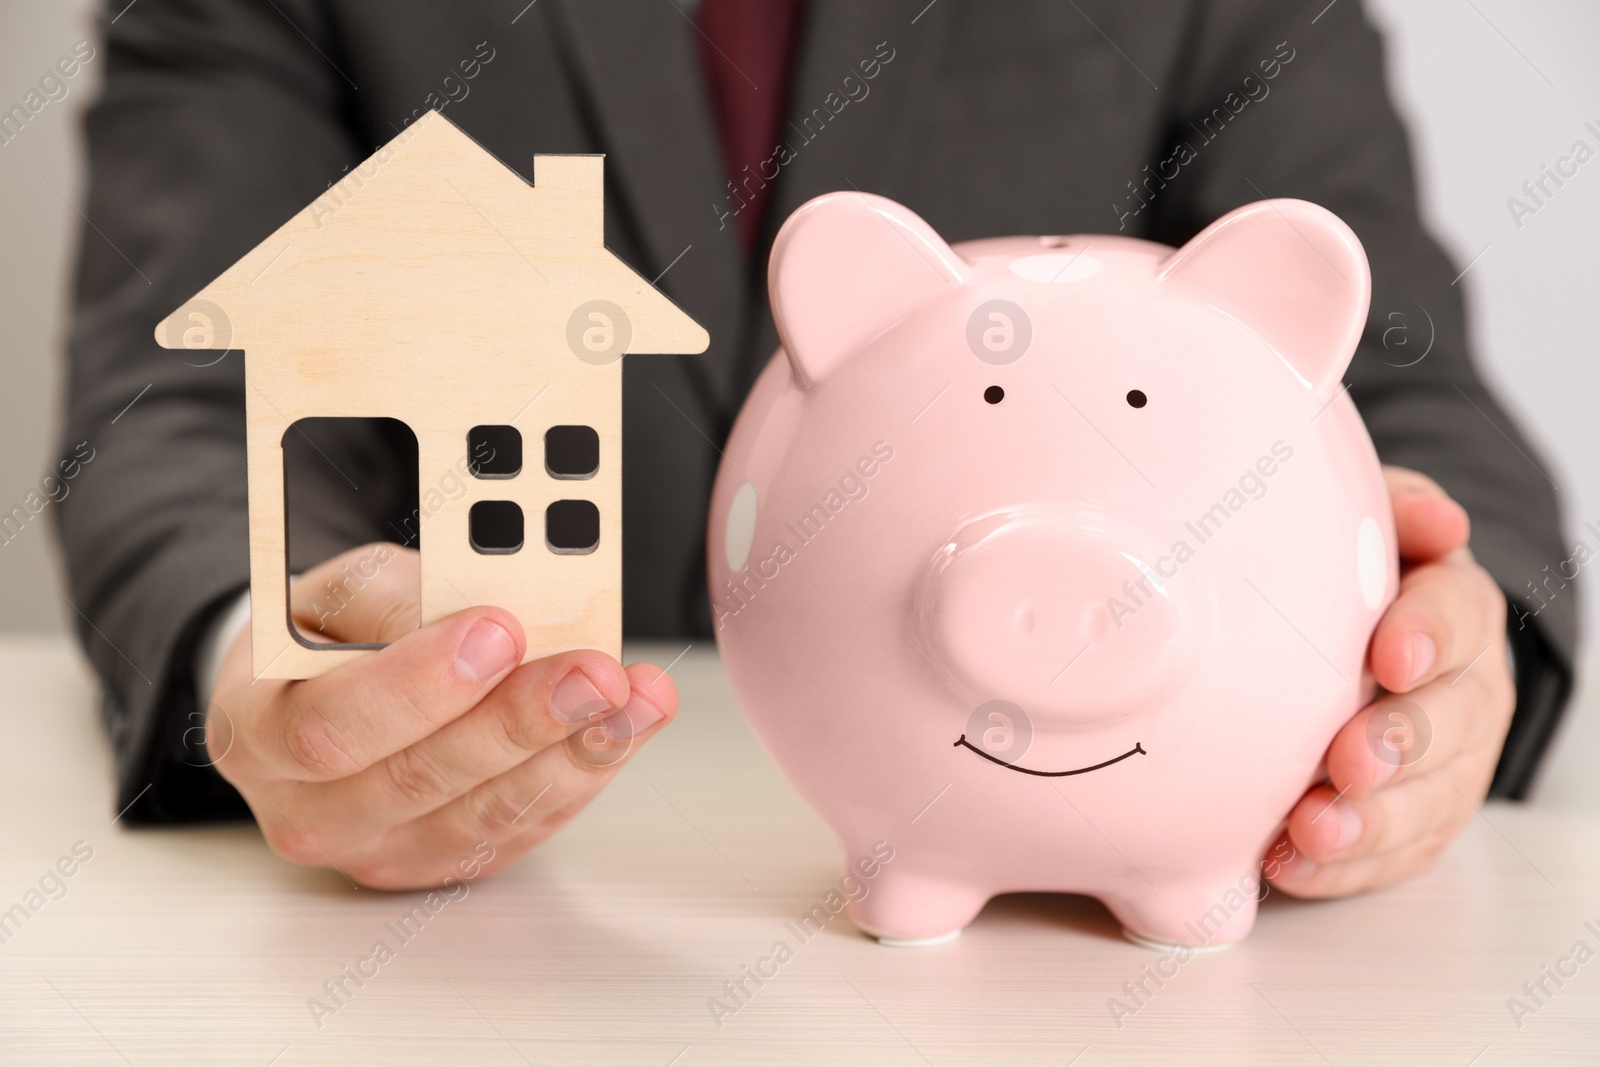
200,947
433,285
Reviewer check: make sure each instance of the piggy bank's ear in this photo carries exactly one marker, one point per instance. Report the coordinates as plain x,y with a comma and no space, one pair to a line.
844,267
1290,271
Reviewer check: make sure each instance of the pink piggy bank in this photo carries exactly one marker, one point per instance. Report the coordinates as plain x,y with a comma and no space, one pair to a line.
1050,563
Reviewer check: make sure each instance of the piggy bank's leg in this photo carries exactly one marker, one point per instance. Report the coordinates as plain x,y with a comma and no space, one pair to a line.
907,909
1200,914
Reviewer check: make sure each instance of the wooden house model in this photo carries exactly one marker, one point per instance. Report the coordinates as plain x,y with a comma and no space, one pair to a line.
435,286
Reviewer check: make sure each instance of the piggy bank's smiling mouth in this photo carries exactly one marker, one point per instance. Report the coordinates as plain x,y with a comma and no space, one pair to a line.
1136,750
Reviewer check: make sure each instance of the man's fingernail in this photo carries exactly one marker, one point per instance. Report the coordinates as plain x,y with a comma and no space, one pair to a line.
1301,869
1385,770
1423,655
634,719
1350,826
575,699
486,651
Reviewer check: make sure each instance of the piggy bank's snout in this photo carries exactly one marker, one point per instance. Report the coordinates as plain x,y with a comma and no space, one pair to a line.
1062,620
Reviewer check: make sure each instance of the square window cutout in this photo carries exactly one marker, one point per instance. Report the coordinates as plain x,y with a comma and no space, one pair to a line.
495,527
571,451
494,451
572,527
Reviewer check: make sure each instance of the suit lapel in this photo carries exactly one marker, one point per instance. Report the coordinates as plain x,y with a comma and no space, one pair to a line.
638,62
866,143
639,67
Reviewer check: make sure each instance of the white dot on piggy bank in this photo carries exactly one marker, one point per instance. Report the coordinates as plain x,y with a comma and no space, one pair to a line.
1371,562
741,528
1056,268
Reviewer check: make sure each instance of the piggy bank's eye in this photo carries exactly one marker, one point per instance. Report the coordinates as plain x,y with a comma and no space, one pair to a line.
994,394
1137,399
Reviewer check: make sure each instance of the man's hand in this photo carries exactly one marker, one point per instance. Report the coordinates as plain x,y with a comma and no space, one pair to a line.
425,759
1401,787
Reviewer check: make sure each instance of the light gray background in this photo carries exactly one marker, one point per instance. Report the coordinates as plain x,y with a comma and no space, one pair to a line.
37,227
1492,89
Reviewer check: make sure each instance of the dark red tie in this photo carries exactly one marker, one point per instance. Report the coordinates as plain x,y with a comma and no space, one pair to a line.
747,53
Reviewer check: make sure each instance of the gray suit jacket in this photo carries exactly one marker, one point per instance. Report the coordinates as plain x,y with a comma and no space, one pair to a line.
221,118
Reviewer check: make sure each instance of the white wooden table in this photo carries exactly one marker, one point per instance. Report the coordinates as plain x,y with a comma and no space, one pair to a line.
198,946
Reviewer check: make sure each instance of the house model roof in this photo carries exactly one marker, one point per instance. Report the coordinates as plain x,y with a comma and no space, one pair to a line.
433,229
